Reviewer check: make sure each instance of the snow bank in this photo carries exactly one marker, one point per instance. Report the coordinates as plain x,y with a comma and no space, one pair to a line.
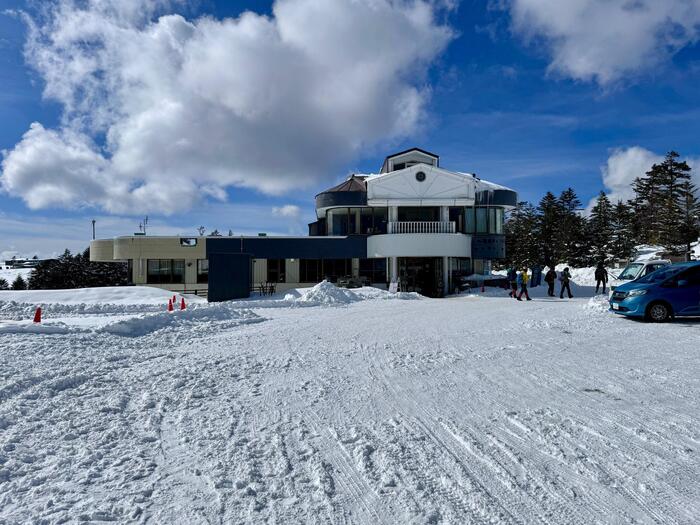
121,295
203,316
29,327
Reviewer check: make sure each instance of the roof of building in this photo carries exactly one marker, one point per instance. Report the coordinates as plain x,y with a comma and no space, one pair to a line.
352,183
410,150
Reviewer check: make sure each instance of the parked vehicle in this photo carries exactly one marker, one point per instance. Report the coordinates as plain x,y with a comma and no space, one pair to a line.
672,291
635,270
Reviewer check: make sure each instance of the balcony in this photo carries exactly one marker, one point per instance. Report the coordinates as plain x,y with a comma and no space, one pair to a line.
422,227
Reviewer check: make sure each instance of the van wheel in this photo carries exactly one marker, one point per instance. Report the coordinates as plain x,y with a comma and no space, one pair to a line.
658,313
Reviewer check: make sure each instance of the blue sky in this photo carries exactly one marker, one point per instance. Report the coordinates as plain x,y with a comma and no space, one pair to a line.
521,96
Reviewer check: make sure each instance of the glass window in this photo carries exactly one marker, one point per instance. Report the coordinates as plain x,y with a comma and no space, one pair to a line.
366,221
482,220
457,216
339,223
499,221
202,271
310,270
276,270
373,270
492,220
419,213
469,220
165,271
335,268
380,217
692,276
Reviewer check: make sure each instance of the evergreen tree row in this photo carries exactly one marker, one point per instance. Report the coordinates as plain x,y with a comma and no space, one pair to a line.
665,211
76,271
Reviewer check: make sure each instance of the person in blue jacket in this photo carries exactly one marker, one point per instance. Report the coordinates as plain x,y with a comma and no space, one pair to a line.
513,282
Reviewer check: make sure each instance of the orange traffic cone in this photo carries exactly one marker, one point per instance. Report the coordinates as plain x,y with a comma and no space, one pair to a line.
174,299
170,305
37,315
182,304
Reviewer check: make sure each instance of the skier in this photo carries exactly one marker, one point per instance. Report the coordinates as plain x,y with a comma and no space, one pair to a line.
550,277
512,280
601,276
522,281
565,277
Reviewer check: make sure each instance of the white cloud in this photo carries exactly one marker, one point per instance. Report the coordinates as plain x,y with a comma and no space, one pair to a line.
161,111
291,211
607,40
624,165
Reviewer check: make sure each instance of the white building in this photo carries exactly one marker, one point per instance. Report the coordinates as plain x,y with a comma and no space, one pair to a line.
413,223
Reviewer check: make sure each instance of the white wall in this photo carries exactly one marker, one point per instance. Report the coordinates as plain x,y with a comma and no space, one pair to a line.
419,245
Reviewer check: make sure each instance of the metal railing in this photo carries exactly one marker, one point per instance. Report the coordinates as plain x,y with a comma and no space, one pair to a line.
422,227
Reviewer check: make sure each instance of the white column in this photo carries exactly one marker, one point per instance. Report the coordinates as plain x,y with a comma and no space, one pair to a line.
393,269
444,213
393,213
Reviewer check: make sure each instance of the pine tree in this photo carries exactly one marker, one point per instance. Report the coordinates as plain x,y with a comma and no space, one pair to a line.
4,285
622,242
19,283
658,203
601,229
549,214
674,176
573,229
689,227
521,235
76,271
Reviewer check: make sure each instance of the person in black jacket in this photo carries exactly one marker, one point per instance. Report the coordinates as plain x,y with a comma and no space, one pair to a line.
601,276
565,279
550,278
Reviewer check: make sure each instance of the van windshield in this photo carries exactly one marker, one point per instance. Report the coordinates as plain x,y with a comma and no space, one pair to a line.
661,275
630,272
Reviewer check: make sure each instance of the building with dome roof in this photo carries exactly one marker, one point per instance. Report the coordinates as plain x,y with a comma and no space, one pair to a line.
414,224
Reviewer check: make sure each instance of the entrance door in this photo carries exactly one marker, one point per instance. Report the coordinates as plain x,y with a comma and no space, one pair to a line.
421,274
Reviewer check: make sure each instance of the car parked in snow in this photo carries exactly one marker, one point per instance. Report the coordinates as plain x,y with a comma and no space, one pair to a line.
671,291
635,270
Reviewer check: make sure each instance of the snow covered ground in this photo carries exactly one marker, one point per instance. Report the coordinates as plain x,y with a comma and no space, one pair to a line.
336,406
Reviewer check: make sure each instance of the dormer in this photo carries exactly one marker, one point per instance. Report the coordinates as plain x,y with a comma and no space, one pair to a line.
408,158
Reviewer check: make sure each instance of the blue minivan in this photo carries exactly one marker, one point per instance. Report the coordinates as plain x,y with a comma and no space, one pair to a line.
672,291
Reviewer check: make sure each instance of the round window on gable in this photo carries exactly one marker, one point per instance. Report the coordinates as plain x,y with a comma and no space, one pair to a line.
420,176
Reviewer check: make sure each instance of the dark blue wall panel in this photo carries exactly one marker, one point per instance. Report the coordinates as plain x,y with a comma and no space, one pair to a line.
353,246
229,276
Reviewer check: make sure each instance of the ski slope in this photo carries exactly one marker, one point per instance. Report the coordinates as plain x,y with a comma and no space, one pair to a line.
335,406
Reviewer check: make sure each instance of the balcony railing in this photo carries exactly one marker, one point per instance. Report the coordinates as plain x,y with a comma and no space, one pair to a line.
422,227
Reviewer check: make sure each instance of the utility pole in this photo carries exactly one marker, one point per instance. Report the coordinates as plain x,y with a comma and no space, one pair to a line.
93,229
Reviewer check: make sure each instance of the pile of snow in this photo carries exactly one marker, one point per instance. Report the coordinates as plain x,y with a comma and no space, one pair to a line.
598,304
202,316
327,294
